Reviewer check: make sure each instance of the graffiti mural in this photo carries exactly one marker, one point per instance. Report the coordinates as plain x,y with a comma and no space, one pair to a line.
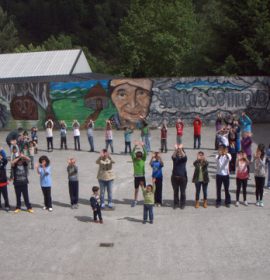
125,101
204,96
82,101
132,98
23,104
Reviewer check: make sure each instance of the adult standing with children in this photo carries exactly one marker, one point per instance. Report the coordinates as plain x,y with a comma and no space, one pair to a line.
179,176
105,177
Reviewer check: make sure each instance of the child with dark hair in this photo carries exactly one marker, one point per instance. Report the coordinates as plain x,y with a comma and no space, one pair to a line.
90,134
31,150
49,134
138,159
73,183
63,135
242,174
34,137
95,204
149,200
44,171
127,136
268,165
3,179
200,178
259,173
163,138
157,164
145,134
76,134
197,125
109,135
20,180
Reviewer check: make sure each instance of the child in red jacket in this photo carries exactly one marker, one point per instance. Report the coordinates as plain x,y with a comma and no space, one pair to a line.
197,124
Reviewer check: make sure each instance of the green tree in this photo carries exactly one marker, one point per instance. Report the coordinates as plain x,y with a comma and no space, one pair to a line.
8,33
157,38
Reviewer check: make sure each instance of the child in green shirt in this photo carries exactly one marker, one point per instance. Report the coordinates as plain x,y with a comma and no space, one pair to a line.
138,159
149,201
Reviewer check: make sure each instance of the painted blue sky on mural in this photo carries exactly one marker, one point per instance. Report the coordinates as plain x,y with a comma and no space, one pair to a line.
81,84
189,86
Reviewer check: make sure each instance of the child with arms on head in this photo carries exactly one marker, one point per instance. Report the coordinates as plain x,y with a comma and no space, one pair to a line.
149,200
138,159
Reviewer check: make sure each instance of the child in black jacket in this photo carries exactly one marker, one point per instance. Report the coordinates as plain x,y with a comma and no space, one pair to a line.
95,204
3,180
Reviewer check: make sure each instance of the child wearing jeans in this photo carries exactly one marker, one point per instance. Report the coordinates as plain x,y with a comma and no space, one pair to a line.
31,150
63,135
95,204
76,134
44,171
49,134
109,135
242,174
149,200
73,183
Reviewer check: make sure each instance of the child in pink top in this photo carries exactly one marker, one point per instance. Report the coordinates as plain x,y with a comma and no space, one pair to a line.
242,174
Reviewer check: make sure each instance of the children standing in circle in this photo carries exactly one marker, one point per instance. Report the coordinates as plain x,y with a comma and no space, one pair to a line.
44,171
73,183
138,160
20,180
157,164
49,134
259,173
76,134
242,174
200,178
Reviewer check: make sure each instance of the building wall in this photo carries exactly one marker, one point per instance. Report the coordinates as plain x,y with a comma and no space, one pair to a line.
125,100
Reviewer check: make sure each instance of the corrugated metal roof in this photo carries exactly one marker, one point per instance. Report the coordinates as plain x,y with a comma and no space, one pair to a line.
43,64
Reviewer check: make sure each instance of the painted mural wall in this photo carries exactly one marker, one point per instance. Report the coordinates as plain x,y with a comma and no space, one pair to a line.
125,101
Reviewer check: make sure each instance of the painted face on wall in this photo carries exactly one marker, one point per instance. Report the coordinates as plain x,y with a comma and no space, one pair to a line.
132,98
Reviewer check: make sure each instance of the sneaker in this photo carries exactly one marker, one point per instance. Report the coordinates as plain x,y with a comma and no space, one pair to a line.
50,209
228,205
134,203
110,205
76,206
17,211
102,206
245,203
174,206
237,203
44,208
258,203
30,210
217,205
151,222
261,203
101,221
7,209
182,206
144,222
96,221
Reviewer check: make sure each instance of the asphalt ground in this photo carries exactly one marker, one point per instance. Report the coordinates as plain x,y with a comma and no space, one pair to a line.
224,243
